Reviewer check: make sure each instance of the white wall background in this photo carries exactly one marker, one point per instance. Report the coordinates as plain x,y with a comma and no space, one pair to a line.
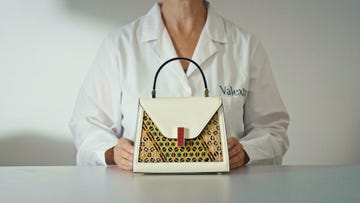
46,47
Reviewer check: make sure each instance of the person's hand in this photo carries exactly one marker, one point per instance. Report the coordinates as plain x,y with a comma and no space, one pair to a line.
237,154
123,154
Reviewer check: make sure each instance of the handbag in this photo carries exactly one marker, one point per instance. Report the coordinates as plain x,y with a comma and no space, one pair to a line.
180,134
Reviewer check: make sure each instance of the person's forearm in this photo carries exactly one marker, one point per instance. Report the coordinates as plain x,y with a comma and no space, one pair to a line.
109,156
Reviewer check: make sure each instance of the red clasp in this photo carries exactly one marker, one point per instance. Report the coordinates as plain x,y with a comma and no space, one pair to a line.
180,137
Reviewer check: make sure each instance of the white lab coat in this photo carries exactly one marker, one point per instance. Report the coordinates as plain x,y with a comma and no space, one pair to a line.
235,65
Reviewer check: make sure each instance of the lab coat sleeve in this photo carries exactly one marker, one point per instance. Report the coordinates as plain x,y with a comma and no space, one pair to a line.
265,117
96,120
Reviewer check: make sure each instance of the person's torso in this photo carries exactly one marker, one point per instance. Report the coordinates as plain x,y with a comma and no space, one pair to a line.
225,65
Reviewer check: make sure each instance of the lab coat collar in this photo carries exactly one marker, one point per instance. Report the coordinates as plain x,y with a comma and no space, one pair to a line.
153,25
215,26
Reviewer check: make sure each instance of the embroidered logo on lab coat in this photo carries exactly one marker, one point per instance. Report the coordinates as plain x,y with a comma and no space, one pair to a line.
230,91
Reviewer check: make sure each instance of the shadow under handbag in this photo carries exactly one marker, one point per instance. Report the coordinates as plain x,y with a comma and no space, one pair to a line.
180,134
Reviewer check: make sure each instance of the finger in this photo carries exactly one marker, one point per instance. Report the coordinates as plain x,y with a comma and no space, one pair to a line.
126,155
122,141
236,150
128,147
125,168
121,153
237,159
235,165
231,142
124,164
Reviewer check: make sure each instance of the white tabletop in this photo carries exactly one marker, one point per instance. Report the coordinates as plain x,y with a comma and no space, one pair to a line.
249,184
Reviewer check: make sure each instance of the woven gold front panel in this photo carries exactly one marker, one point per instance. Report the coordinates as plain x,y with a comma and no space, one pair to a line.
155,147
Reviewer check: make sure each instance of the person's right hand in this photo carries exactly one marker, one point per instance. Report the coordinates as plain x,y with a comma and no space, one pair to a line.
123,154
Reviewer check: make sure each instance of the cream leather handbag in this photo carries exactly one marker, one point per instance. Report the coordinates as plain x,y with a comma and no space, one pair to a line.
181,134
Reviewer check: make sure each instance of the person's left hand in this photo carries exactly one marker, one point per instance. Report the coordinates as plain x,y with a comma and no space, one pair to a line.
237,155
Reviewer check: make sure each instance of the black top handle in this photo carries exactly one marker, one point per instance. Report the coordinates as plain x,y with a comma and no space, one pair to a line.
206,91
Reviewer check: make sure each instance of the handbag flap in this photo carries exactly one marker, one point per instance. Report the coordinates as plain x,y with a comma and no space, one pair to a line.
191,113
